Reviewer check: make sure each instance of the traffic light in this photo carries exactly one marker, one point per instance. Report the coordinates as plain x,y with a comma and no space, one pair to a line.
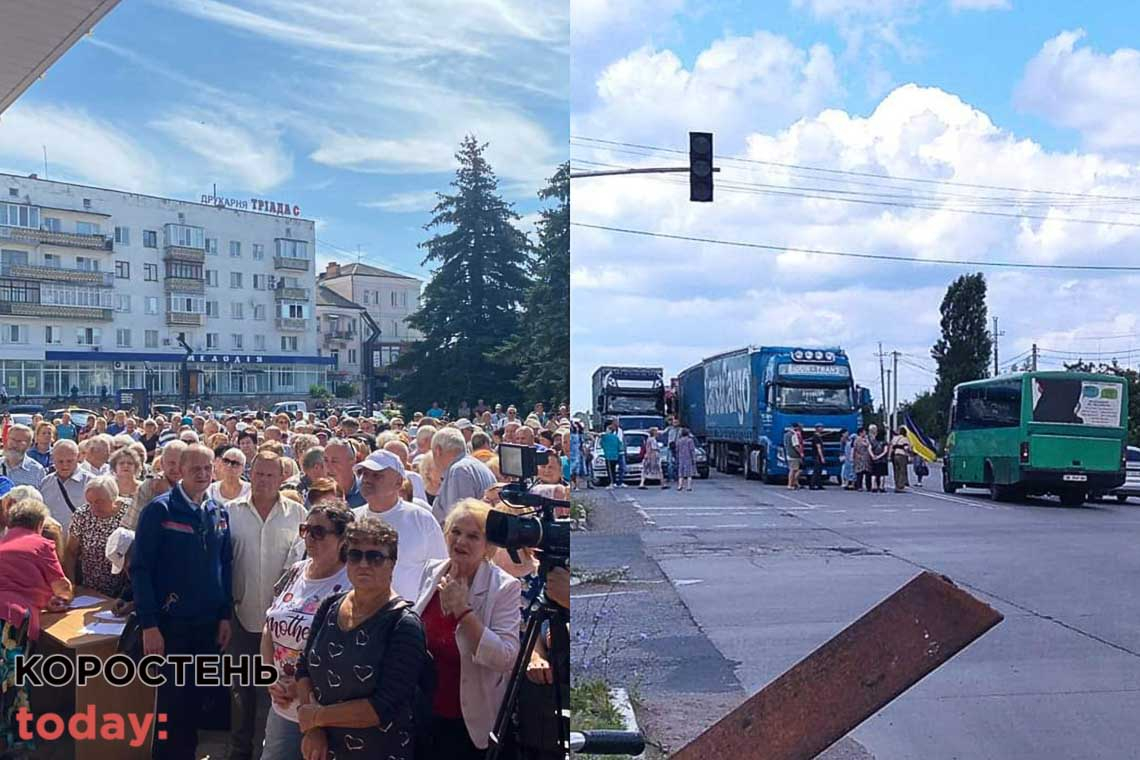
701,167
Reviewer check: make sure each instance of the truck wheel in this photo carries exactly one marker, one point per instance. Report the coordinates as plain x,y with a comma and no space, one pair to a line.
1073,497
1121,498
749,473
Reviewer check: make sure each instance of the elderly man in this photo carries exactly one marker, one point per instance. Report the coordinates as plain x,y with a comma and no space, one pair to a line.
264,532
17,466
181,574
98,451
422,442
467,427
421,539
464,476
156,485
63,489
339,460
400,449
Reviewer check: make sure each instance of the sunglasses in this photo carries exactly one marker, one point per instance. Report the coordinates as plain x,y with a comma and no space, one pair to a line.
318,532
356,556
232,462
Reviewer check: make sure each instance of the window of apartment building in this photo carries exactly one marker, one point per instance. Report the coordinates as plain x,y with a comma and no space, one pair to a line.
151,305
87,228
53,335
123,235
19,215
235,249
13,192
53,260
395,298
14,333
288,342
88,336
235,340
258,251
122,303
212,278
150,272
19,291
259,342
211,340
335,357
150,338
259,282
352,356
211,308
293,310
184,269
292,249
235,279
259,312
404,298
237,310
123,337
150,238
184,304
52,224
14,258
86,264
212,246
122,270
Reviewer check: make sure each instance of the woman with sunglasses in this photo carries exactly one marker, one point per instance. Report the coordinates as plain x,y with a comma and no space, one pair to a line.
470,609
229,464
287,622
357,678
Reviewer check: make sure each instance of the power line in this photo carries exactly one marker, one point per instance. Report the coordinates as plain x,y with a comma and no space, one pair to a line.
868,256
873,175
355,253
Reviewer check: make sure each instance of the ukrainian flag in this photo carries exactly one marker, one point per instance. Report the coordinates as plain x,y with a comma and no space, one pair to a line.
921,445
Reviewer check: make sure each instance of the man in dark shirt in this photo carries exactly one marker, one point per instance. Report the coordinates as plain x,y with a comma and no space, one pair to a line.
815,447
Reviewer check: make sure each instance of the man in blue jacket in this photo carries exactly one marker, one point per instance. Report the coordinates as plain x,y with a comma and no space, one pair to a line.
181,578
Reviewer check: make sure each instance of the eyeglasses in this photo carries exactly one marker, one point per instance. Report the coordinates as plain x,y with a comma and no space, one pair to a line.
318,532
356,556
232,462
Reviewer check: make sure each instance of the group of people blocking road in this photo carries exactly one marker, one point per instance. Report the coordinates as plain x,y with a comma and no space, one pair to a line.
350,552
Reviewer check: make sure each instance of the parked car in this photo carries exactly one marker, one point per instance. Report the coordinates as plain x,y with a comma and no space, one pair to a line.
167,410
1131,485
79,416
290,407
633,442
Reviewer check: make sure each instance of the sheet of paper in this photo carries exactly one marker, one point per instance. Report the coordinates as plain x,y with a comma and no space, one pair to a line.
85,601
102,628
108,616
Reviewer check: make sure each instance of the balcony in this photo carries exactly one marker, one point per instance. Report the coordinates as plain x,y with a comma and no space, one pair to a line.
24,309
58,274
184,285
184,318
337,338
292,325
64,239
291,294
285,262
182,253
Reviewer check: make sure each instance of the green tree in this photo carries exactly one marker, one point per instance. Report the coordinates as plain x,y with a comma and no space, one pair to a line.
540,352
471,304
1132,379
963,352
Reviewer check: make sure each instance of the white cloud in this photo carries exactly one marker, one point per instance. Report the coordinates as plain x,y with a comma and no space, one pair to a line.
415,201
590,18
80,147
737,85
254,161
669,303
1078,88
980,5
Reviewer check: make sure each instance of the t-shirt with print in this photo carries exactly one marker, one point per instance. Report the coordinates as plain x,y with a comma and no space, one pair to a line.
290,617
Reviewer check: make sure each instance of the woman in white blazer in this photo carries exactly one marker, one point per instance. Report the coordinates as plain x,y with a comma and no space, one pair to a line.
470,611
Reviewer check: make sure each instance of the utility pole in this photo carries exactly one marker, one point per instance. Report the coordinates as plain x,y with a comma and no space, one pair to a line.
895,392
1034,357
887,403
997,334
882,381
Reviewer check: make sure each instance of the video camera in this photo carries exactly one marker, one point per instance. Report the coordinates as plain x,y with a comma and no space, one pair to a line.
540,529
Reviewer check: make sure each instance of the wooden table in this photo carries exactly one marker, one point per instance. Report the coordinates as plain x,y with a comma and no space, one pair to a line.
60,634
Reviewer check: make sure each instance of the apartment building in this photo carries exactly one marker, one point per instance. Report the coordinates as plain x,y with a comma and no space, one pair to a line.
99,289
388,297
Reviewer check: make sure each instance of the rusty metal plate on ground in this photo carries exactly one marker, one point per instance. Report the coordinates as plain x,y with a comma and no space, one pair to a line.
851,677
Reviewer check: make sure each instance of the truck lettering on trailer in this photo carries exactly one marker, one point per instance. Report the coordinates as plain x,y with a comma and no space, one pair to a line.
728,391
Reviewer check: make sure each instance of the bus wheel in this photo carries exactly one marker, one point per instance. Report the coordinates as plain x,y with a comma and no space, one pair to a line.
999,492
1072,498
948,486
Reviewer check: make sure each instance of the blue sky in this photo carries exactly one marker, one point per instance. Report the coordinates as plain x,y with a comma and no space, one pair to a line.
1039,95
350,108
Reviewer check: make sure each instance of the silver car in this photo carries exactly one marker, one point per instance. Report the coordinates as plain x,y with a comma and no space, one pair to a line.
1131,485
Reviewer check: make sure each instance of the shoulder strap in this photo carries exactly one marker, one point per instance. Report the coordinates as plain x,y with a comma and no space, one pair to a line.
62,490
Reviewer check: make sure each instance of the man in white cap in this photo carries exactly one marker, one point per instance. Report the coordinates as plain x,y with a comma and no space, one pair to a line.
467,427
420,537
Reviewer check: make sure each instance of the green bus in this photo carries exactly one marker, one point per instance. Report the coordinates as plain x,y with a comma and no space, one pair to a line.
1060,433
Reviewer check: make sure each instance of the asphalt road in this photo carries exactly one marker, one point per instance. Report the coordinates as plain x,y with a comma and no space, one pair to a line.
767,575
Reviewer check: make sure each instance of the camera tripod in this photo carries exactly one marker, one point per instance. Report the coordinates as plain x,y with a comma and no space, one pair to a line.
541,610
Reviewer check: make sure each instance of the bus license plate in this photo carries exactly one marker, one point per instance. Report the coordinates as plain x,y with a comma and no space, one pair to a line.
1075,478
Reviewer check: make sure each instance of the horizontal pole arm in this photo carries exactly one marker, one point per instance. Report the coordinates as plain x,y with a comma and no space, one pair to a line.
648,170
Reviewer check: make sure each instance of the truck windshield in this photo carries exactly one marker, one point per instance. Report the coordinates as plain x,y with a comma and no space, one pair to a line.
631,405
823,398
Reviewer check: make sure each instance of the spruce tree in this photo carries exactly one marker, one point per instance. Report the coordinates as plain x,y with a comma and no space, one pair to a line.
963,352
541,350
471,304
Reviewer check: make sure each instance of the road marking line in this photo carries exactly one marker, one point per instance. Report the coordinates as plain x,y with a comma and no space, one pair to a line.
704,509
679,527
730,525
803,504
955,500
687,581
835,511
642,513
608,593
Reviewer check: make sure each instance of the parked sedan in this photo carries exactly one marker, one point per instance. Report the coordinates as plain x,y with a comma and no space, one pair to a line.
634,440
1131,485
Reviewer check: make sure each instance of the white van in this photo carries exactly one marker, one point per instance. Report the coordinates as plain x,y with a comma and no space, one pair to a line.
290,407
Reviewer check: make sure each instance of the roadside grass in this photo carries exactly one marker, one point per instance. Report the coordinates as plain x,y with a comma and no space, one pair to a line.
591,708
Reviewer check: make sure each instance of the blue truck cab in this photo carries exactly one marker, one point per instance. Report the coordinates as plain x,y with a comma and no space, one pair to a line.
741,402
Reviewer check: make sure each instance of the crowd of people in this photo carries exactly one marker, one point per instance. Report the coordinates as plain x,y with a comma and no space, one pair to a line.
350,551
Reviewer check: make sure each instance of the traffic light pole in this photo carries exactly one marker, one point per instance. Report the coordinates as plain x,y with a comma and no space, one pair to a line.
647,170
700,168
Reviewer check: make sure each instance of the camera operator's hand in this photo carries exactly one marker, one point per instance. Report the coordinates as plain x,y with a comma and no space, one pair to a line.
538,670
558,587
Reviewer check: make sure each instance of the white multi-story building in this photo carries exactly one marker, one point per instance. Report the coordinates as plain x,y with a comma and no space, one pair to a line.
388,297
97,287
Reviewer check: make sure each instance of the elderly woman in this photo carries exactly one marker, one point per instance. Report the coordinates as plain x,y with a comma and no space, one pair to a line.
85,555
470,612
425,465
126,466
289,619
323,490
229,464
357,678
31,579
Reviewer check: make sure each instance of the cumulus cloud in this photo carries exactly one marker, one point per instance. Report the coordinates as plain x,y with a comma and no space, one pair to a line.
1078,88
671,302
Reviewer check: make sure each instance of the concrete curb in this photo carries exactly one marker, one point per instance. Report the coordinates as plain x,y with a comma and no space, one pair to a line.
620,698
